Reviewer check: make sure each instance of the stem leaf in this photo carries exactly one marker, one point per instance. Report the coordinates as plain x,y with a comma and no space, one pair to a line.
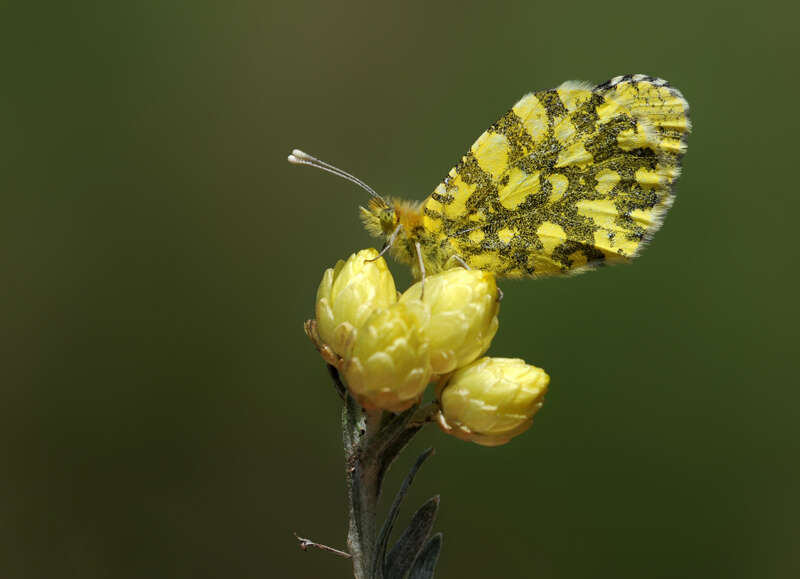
425,563
386,530
408,546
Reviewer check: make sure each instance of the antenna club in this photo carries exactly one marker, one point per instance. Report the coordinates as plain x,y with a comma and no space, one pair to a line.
298,157
301,154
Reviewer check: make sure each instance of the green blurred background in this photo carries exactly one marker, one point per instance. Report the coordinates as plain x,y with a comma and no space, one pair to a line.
162,413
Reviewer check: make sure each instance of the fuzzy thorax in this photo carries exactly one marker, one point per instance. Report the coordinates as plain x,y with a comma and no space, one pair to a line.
381,219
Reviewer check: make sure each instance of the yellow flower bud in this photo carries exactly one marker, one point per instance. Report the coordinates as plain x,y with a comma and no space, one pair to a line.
492,400
389,366
347,296
464,309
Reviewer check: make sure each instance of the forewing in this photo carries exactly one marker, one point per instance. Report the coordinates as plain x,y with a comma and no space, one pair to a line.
567,179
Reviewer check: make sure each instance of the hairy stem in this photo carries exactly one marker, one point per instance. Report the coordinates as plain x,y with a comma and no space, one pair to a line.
372,440
363,487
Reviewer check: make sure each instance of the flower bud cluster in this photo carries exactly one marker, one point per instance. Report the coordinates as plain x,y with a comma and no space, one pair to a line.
390,347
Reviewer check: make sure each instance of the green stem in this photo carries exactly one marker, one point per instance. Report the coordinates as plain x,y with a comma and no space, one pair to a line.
372,440
363,488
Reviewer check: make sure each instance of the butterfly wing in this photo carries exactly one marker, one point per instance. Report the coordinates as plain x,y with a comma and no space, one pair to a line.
568,179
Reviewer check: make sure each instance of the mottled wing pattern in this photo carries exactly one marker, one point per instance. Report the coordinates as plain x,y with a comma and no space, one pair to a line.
568,179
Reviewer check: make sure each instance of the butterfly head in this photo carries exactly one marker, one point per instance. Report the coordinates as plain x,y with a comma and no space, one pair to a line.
379,218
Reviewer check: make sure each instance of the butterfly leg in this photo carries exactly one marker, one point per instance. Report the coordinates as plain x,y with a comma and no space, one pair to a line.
456,261
461,262
421,270
389,242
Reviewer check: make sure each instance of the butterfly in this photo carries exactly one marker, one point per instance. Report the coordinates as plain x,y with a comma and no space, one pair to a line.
567,180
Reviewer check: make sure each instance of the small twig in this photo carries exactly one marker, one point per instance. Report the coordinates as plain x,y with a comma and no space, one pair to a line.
306,543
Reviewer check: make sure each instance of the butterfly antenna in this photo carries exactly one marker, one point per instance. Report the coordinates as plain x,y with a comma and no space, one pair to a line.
298,157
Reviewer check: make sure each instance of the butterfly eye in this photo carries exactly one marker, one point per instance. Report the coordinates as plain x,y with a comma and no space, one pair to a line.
388,219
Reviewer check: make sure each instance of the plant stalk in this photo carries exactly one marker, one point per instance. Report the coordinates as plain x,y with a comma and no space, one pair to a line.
363,485
372,441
